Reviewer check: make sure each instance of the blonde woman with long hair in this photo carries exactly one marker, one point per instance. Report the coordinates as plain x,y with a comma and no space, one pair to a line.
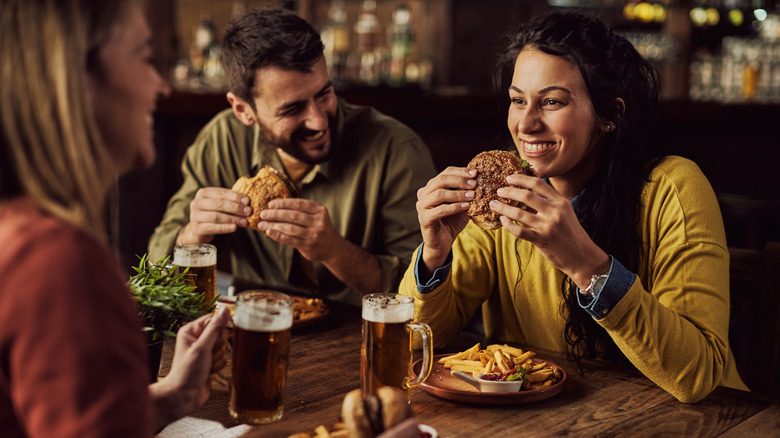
78,91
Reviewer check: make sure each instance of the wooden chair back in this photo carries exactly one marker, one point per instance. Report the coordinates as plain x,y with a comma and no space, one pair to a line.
754,331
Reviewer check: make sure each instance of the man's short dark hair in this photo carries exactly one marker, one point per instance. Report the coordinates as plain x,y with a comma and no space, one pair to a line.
269,37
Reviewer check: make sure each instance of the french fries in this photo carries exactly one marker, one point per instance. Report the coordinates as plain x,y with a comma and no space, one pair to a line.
337,430
305,308
468,354
498,358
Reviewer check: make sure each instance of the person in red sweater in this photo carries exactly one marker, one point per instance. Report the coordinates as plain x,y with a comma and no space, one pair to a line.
78,92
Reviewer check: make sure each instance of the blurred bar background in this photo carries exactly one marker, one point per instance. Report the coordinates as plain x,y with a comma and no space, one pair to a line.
429,64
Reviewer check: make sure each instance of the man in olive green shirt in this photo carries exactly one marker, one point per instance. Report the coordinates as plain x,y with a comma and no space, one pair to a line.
353,226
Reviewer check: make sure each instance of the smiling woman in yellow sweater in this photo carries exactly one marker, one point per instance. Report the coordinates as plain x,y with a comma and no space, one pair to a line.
622,252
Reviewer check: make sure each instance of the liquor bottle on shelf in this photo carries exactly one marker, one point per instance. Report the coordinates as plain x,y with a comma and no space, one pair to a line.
369,49
335,37
403,64
202,68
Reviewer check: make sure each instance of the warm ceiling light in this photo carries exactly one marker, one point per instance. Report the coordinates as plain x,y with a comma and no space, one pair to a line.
736,18
659,12
713,16
644,12
698,16
628,11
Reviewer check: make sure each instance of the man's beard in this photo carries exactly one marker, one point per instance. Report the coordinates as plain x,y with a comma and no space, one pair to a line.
290,146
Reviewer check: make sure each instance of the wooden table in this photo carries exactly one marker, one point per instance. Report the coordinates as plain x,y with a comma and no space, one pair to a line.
605,401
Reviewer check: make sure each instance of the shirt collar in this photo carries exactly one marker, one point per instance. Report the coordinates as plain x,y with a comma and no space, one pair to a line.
573,200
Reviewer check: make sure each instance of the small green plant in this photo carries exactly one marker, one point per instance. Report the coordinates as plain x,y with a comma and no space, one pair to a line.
166,300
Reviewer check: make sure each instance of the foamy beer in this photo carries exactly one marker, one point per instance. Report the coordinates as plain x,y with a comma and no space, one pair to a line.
262,323
201,258
386,352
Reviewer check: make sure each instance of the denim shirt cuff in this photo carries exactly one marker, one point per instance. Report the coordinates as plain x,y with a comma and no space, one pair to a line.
439,275
618,282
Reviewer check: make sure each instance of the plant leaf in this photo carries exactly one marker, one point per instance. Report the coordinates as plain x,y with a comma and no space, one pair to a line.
165,298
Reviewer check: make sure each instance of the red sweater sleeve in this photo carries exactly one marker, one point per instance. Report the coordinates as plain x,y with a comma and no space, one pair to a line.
72,351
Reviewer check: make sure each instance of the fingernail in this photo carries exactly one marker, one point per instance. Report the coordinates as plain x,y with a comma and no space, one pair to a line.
493,204
469,194
245,200
471,182
243,222
464,205
262,226
247,210
501,191
472,172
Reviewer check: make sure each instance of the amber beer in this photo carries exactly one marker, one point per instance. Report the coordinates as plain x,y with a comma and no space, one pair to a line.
261,343
386,351
201,259
385,354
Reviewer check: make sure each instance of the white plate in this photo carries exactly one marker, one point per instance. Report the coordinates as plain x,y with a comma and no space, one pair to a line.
429,429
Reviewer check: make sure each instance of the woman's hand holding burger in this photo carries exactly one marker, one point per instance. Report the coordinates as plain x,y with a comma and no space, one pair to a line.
549,222
441,210
448,201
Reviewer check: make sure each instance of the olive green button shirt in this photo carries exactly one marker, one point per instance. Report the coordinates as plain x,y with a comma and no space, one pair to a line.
369,187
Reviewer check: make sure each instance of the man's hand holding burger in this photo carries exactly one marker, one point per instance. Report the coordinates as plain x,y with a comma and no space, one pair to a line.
301,223
214,210
306,226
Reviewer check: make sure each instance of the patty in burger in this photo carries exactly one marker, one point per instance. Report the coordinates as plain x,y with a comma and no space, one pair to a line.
492,169
369,416
267,185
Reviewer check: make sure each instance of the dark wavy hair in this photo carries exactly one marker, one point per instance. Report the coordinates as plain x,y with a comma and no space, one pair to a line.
266,37
608,203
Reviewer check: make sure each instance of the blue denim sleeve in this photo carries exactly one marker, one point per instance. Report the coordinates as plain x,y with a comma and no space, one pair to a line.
439,275
619,281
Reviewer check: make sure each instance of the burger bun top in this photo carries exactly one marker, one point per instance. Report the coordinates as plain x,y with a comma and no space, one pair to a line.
492,169
267,185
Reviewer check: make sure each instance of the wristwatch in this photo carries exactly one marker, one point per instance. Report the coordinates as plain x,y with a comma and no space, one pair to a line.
596,283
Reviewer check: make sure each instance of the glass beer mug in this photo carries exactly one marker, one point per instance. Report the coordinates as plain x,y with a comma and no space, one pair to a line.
386,350
262,324
201,258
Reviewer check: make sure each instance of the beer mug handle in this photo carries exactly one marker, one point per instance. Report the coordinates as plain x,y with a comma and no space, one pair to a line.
427,350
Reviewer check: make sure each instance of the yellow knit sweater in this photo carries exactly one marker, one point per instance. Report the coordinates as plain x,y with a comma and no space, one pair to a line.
673,322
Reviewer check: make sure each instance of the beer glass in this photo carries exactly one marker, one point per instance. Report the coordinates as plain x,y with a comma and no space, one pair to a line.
386,350
262,324
201,258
